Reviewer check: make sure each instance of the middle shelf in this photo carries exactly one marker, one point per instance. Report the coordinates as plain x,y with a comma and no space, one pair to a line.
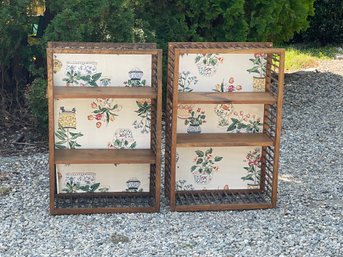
231,97
223,139
103,156
104,92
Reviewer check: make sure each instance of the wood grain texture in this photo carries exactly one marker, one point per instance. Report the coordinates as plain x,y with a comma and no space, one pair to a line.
104,92
234,98
103,156
223,139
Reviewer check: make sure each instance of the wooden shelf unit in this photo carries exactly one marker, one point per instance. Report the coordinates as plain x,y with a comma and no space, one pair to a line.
88,203
269,139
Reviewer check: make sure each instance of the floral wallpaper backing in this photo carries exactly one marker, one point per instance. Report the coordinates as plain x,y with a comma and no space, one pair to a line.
98,123
108,70
205,168
81,178
220,167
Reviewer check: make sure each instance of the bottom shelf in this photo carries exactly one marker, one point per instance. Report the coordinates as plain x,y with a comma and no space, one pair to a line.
221,200
87,203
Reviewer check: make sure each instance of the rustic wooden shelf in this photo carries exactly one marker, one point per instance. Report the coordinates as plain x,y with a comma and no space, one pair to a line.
182,194
118,198
104,92
223,139
218,97
102,156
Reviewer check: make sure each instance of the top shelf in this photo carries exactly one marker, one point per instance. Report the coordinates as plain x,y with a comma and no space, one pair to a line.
234,98
104,92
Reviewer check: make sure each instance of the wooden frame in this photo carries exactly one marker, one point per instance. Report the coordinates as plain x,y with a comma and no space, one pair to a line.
269,140
83,203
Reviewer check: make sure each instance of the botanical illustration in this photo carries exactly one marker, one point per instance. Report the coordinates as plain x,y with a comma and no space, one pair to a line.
245,123
207,64
205,166
223,112
259,71
82,182
194,120
123,139
83,74
183,110
228,86
67,124
182,185
133,185
57,65
135,80
104,111
253,168
144,114
186,81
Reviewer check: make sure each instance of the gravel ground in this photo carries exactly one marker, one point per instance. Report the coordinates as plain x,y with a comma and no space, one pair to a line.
306,222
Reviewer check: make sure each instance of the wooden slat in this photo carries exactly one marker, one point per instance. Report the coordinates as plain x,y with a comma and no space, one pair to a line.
104,92
223,139
102,156
235,98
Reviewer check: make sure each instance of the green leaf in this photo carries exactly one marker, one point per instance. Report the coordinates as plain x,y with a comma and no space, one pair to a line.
200,160
133,145
208,151
96,76
94,187
193,168
231,127
199,153
218,158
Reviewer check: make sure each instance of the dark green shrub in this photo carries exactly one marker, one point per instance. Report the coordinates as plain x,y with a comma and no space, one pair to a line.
326,26
38,103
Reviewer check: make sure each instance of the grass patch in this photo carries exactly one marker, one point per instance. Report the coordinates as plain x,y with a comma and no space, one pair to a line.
303,57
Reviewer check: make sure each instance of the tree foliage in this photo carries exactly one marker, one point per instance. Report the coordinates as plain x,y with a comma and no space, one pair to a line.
326,26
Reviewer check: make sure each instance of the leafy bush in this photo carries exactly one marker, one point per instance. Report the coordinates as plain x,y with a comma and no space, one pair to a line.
39,103
326,26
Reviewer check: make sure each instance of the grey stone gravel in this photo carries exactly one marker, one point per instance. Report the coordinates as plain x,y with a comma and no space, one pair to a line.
307,220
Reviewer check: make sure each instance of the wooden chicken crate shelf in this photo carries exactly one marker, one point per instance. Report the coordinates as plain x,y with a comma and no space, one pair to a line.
187,184
95,101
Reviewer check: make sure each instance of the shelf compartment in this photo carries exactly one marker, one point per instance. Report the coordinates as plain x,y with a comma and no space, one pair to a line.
223,139
234,98
104,92
103,156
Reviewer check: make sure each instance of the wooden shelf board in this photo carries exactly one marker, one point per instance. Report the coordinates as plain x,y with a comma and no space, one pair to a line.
230,97
103,156
223,139
104,92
